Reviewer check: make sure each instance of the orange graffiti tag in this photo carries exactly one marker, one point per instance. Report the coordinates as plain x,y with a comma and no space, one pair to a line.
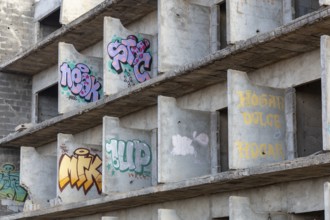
80,169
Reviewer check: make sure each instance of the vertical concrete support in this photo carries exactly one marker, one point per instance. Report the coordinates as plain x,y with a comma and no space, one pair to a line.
291,127
184,33
327,201
257,122
80,79
128,57
167,214
128,157
38,175
45,7
72,9
287,11
248,18
239,209
12,194
185,141
325,81
79,169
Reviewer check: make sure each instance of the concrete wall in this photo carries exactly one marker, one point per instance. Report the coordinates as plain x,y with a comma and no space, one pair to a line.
278,200
15,101
17,28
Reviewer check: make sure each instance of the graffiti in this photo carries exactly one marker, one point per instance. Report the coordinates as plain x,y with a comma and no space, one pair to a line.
130,156
252,150
80,82
183,146
9,184
80,170
132,52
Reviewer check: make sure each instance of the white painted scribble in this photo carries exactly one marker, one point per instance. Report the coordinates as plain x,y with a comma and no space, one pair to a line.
202,138
182,146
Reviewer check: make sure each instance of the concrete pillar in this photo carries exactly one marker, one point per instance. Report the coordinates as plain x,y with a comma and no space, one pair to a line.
324,2
287,11
72,9
185,141
168,214
79,168
258,122
38,175
327,201
124,66
80,78
128,157
325,81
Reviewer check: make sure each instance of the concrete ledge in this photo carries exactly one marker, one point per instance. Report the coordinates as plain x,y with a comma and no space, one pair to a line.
297,169
82,33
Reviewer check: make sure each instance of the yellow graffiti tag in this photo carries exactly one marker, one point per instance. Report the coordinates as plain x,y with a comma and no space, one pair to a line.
252,150
260,118
80,169
248,98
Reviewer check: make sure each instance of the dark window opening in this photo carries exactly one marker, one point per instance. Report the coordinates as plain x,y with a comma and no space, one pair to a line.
309,118
223,25
47,103
222,218
303,7
223,140
318,215
50,23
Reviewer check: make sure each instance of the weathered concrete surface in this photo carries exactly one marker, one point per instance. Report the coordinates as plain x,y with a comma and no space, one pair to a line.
262,15
257,123
325,81
44,8
240,180
110,218
324,2
128,57
184,33
79,170
167,214
80,79
38,176
239,209
83,32
326,201
128,157
72,9
184,149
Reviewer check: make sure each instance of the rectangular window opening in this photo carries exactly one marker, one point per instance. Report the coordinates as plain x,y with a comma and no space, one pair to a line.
50,24
222,218
303,7
318,215
223,140
309,118
222,25
47,103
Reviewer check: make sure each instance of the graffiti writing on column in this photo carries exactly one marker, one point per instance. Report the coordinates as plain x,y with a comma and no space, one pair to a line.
131,55
80,82
9,184
128,156
80,170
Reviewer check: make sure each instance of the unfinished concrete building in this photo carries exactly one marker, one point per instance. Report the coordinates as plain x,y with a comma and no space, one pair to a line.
165,109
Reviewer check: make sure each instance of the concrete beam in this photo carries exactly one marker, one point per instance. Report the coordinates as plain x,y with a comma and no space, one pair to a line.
129,58
80,79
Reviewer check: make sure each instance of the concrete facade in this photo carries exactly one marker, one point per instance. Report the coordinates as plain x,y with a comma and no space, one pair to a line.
164,145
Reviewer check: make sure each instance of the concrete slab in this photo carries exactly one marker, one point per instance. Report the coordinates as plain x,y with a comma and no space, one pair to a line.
72,9
184,33
80,78
262,15
38,176
185,143
167,214
128,156
127,56
257,122
79,170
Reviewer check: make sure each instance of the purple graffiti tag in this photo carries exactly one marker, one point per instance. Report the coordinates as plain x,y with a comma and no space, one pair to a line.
80,82
133,52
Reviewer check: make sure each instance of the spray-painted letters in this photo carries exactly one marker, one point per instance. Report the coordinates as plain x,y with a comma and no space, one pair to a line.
133,52
132,155
9,184
80,169
80,82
